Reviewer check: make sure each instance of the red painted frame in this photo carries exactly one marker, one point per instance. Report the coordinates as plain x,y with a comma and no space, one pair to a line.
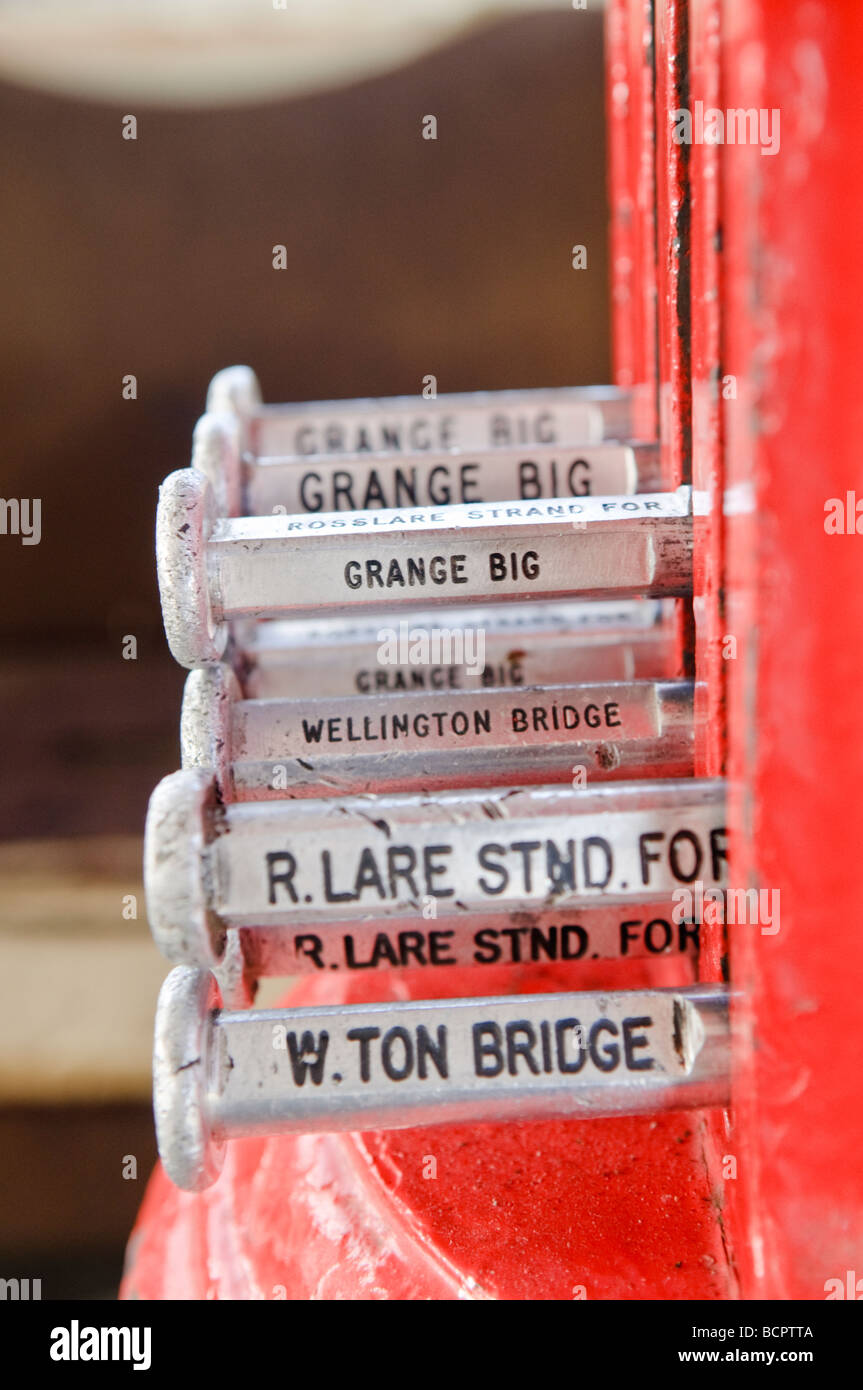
792,226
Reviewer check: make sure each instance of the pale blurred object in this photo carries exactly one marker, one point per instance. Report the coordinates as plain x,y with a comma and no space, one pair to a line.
80,976
213,52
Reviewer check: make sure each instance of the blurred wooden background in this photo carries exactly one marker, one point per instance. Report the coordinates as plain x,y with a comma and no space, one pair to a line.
154,257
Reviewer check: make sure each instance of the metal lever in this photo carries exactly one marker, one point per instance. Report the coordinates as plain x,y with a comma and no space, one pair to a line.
215,569
220,1075
506,644
210,867
461,420
276,749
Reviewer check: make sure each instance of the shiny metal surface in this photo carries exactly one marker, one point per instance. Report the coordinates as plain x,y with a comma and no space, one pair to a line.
219,1074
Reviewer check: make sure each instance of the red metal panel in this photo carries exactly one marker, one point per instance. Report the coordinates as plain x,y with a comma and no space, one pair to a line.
623,201
673,252
792,229
672,233
630,51
704,174
648,228
709,382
